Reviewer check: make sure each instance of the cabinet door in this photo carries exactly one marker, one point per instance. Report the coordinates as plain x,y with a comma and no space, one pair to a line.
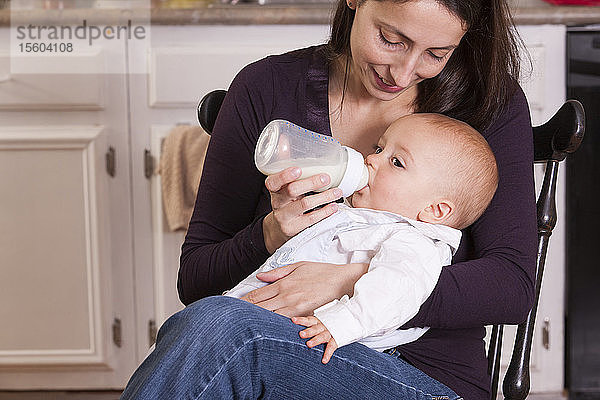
185,63
66,290
543,81
56,297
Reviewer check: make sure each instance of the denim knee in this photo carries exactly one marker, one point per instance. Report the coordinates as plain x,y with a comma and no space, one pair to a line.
217,317
224,310
210,308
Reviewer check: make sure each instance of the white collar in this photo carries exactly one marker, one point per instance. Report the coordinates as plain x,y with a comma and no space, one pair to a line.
443,233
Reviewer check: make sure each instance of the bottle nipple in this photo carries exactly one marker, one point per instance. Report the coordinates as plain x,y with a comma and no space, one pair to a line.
364,179
356,175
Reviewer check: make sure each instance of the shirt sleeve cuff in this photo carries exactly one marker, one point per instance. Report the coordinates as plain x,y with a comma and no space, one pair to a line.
340,322
257,239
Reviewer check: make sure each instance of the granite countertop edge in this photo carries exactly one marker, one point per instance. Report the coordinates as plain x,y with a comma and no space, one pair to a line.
281,15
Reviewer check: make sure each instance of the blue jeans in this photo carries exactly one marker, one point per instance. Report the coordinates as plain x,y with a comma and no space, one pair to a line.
225,348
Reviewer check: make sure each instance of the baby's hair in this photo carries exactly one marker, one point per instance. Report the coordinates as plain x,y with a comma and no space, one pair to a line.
468,167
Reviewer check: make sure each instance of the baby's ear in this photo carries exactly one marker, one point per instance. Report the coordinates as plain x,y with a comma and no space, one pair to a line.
437,213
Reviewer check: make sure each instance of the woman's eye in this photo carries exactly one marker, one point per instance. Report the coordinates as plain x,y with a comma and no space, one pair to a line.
387,42
378,149
397,163
436,57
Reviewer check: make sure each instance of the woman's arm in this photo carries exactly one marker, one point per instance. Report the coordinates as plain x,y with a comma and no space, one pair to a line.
224,242
497,284
237,220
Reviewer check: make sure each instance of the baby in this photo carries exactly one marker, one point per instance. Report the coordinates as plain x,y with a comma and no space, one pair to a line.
429,177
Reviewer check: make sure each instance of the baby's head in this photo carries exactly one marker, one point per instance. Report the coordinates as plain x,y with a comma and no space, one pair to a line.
431,168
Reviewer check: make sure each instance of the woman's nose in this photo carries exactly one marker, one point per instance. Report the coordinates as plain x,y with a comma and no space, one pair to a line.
404,72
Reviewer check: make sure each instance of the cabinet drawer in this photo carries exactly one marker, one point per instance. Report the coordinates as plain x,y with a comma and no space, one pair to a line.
37,86
180,76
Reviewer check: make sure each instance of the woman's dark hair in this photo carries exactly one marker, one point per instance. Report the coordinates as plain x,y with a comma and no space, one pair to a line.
478,80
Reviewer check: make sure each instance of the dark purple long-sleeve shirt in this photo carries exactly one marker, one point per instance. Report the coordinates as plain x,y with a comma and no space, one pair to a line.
490,281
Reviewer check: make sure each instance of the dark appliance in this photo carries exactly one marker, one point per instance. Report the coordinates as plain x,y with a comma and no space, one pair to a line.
582,350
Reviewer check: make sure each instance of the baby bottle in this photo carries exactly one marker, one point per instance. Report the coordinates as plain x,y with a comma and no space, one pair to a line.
283,144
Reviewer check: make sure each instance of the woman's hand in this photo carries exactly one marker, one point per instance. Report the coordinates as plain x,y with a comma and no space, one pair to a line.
290,205
300,288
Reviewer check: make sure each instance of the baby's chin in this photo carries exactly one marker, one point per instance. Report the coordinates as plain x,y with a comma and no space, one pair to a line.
358,200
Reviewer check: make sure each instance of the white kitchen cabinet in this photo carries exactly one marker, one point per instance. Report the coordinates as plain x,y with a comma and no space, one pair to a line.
80,249
66,261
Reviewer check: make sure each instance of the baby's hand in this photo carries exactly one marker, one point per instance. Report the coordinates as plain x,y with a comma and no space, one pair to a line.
318,334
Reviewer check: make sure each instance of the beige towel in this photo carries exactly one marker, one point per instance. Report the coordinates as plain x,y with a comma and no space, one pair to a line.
180,169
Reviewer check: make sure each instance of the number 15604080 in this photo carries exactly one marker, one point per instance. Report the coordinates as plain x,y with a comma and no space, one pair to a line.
46,47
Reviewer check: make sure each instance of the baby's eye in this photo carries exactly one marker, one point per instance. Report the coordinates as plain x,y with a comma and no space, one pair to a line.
397,163
378,149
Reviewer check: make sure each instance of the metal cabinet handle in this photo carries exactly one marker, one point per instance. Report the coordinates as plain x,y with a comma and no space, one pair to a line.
546,333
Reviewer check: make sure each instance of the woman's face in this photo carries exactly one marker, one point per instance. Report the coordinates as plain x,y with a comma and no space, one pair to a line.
397,45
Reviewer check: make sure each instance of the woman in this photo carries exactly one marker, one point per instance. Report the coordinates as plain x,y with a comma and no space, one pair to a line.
385,59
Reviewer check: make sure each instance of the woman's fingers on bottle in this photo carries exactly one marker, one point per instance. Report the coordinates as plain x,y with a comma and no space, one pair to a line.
286,219
276,182
310,184
292,219
290,216
308,203
317,215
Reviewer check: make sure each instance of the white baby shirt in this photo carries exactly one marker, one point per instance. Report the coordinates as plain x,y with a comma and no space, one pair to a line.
405,260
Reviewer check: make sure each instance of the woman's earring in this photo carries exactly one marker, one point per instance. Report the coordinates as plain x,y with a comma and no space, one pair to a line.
350,4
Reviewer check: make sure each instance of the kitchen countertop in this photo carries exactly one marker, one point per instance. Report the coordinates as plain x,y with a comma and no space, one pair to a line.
536,12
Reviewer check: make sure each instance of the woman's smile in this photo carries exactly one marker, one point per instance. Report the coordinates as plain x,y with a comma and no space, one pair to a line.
385,85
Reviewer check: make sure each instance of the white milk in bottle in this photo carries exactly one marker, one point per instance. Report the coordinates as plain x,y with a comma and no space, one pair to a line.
283,144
